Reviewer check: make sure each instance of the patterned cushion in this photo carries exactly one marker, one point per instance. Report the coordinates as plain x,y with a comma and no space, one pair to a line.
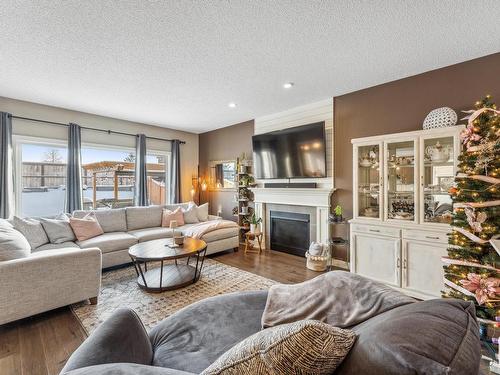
112,220
13,244
143,217
58,230
303,347
33,231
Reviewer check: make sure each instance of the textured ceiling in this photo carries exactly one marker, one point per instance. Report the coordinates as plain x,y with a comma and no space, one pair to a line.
179,63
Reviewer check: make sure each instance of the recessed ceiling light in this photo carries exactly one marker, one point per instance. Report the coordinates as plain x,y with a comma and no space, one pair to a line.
288,85
232,105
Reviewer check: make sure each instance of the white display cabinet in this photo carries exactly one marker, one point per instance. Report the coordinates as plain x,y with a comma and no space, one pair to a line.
401,207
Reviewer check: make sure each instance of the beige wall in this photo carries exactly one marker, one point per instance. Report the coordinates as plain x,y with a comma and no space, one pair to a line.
189,151
224,144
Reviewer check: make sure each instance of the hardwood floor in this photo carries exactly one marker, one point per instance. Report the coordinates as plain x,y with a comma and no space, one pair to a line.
41,345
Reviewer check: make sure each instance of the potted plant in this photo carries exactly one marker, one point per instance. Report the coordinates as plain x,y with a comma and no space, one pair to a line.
337,214
254,223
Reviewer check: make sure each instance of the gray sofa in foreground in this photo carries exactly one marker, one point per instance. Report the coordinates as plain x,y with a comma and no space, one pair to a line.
430,337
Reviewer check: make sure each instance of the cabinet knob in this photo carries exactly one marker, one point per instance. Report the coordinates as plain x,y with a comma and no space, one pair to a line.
374,230
432,237
398,263
404,264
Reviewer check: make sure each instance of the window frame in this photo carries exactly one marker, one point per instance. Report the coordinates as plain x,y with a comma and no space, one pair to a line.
19,140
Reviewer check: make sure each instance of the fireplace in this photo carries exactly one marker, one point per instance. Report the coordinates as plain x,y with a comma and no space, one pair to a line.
289,232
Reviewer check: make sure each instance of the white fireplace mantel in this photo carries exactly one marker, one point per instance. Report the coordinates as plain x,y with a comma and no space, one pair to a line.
293,196
318,198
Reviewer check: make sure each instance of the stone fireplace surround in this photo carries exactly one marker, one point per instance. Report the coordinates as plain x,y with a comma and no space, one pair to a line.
315,202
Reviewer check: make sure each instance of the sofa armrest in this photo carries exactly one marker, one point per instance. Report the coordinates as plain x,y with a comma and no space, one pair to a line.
47,280
214,217
121,338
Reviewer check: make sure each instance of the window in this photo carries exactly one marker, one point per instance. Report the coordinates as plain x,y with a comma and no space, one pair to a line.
157,176
41,182
107,177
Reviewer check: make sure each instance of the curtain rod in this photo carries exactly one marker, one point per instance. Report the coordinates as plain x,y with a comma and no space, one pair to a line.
94,129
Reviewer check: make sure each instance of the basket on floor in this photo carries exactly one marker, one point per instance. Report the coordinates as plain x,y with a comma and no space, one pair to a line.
317,263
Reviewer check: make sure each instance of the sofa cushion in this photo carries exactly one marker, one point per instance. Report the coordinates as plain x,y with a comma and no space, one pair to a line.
220,234
148,234
143,217
86,228
13,244
108,242
173,207
58,230
202,212
125,369
31,229
112,220
53,246
194,337
303,347
439,336
169,216
122,338
190,214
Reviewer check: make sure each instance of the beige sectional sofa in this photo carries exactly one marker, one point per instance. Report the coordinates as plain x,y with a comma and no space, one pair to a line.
55,275
124,227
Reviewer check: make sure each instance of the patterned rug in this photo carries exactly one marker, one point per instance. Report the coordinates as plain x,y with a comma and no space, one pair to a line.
119,289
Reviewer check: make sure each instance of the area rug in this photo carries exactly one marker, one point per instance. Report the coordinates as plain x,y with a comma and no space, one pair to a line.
119,289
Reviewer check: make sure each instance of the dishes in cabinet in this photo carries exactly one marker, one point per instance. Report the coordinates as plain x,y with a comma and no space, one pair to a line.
438,153
370,212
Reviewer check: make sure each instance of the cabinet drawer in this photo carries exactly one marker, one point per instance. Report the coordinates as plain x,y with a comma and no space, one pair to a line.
375,229
436,237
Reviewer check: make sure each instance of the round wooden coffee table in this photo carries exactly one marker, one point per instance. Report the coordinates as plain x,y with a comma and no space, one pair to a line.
170,276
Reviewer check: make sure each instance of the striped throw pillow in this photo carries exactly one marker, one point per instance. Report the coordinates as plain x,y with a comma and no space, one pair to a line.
306,347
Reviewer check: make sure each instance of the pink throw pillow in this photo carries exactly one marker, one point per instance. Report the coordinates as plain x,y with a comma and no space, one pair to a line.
85,228
168,216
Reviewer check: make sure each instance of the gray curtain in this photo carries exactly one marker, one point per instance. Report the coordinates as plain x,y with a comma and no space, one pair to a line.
74,199
141,177
6,171
175,172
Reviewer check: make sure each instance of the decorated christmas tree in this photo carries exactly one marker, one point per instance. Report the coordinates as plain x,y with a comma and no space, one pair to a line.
472,265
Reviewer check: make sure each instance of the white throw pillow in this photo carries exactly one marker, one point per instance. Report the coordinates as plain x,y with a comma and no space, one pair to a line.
202,212
58,230
33,231
13,244
190,215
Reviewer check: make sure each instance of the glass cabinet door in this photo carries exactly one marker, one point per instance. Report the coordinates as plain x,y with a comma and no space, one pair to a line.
437,176
400,173
368,181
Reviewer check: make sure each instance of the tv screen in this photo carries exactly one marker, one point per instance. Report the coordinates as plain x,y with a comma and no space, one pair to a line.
298,152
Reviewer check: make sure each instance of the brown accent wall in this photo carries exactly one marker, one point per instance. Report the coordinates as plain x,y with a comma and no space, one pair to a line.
224,144
402,105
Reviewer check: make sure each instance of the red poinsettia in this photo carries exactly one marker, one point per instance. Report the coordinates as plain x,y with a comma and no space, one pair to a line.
483,287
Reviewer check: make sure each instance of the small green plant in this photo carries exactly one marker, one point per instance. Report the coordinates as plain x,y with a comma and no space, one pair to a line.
255,220
338,210
246,180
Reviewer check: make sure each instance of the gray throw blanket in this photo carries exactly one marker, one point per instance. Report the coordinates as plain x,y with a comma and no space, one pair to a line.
338,298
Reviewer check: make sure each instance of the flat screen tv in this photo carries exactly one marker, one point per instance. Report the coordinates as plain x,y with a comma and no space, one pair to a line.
298,152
